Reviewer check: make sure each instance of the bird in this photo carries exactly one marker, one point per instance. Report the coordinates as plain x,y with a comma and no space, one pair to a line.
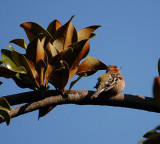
111,82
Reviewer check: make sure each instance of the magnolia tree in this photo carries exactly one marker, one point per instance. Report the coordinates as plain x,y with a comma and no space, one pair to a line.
54,56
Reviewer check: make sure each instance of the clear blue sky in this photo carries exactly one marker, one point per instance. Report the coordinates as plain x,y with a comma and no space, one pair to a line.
130,37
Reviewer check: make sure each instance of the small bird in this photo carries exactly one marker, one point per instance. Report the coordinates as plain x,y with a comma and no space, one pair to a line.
111,82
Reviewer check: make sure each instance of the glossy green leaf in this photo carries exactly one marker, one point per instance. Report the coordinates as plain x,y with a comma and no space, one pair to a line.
12,60
20,42
5,114
75,81
53,27
33,29
4,104
86,33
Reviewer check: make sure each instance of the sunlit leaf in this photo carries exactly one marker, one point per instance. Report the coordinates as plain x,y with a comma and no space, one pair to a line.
53,26
20,42
12,60
156,90
75,81
11,47
64,36
87,32
91,65
33,29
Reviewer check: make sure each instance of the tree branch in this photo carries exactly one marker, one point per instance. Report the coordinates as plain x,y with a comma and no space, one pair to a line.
35,101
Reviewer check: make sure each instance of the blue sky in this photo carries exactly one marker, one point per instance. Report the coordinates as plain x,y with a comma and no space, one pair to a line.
129,37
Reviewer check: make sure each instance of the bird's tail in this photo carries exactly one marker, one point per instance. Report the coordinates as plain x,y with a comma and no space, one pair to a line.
95,95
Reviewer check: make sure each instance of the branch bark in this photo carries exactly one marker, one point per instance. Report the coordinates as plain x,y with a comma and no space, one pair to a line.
34,101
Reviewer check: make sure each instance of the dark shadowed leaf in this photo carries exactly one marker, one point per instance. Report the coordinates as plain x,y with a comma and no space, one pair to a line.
23,81
6,73
53,26
5,114
87,32
45,110
149,133
91,65
60,77
156,90
33,29
4,104
20,42
154,139
64,36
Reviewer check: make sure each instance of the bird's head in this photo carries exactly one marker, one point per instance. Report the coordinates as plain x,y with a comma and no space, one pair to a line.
113,68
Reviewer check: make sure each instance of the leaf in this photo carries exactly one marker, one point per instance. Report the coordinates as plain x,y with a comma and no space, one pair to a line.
64,36
44,111
5,114
154,139
4,104
156,90
86,33
12,60
6,73
11,47
90,66
23,81
75,81
4,110
149,133
20,42
60,77
53,27
33,29
73,54
159,66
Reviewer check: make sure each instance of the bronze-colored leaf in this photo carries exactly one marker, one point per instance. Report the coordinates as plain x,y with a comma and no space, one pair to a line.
53,27
73,54
45,110
60,77
85,33
91,65
33,29
156,90
64,36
